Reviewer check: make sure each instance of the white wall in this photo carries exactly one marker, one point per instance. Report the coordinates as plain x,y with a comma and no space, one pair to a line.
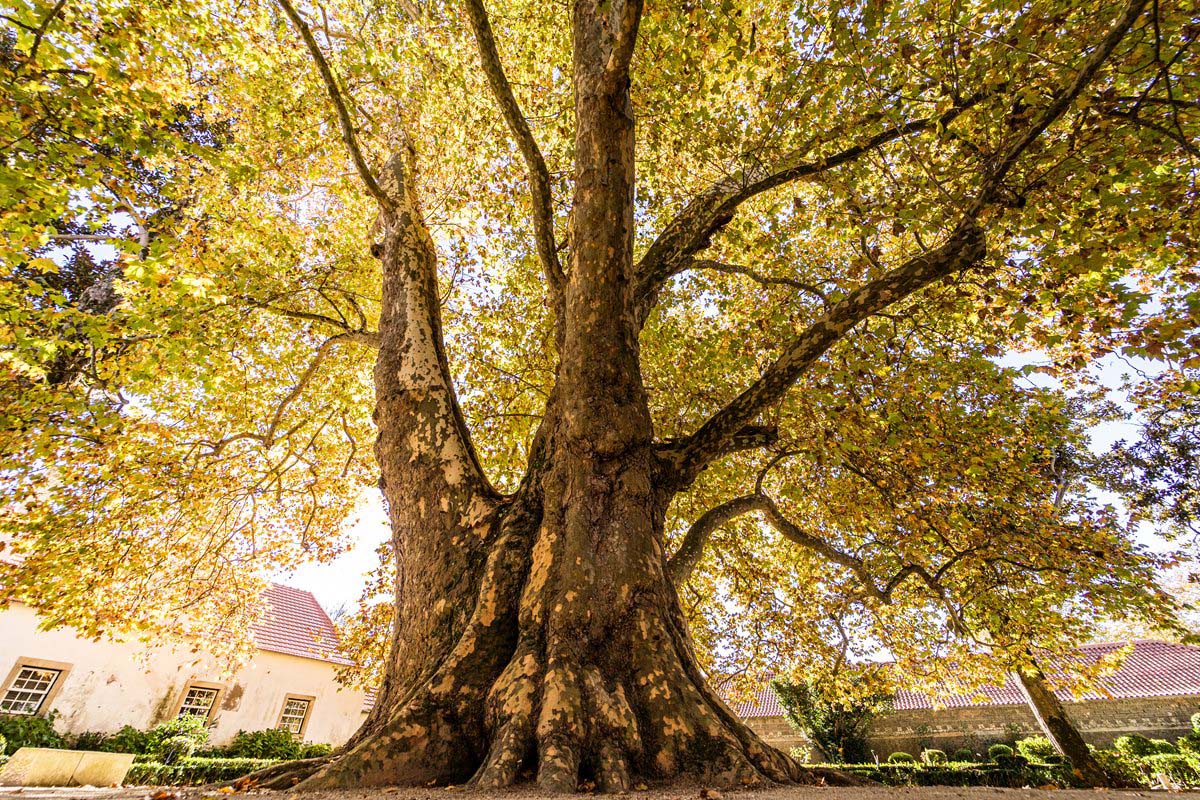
111,684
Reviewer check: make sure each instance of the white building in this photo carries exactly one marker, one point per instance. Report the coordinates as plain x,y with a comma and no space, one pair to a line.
104,685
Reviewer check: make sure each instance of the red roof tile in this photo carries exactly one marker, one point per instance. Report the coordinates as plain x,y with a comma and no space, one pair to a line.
1153,669
295,624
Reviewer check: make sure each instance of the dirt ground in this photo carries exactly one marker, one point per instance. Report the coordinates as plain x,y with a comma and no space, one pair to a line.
785,793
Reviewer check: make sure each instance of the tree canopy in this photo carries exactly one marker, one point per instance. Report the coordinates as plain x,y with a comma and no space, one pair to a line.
843,215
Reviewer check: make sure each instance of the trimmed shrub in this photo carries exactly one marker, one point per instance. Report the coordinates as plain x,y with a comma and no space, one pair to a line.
25,730
931,757
974,775
963,754
176,749
319,749
1164,748
191,726
1120,766
999,751
128,740
1189,744
193,771
835,723
901,758
1175,767
1036,748
271,743
1012,762
1134,745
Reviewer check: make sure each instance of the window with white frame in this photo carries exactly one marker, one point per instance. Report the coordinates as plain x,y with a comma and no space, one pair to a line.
28,690
198,701
295,712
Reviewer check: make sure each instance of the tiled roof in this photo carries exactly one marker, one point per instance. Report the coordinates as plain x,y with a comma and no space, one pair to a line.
1152,669
369,699
295,624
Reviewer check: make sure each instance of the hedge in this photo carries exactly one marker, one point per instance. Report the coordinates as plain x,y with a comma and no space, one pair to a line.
959,774
194,771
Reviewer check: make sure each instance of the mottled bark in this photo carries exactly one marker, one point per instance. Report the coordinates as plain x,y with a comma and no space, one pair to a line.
1059,729
539,635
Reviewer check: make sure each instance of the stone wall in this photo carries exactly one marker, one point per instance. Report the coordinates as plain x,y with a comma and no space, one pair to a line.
976,727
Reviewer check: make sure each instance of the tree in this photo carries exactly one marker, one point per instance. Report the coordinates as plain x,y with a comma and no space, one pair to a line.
839,726
953,532
578,329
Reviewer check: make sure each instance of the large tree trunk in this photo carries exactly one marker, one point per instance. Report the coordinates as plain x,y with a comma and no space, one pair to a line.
538,634
1059,729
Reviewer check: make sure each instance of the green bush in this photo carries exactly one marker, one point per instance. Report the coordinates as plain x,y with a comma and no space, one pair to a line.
191,726
25,730
1036,748
271,743
931,757
1120,766
1196,722
176,749
1134,745
193,771
1013,762
89,740
999,751
1164,748
128,740
835,723
963,754
1175,767
319,749
900,757
1189,744
959,775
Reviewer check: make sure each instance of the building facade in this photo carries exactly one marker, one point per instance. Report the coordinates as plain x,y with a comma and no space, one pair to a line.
1153,693
103,685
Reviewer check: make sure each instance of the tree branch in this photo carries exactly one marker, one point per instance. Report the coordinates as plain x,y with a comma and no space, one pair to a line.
356,335
540,193
690,455
339,103
965,248
757,277
269,438
693,228
681,565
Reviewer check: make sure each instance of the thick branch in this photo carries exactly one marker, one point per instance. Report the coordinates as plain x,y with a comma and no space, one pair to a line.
964,248
693,228
539,177
681,565
339,104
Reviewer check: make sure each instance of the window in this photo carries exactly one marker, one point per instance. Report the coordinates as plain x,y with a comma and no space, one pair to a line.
27,692
294,717
198,701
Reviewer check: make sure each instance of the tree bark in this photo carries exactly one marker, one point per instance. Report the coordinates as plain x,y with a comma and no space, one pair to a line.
539,634
1059,729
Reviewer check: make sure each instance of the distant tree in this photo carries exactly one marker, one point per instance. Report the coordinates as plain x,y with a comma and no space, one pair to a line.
838,725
